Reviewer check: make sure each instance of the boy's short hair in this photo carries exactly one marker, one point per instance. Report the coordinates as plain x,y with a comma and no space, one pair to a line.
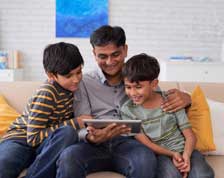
60,58
106,35
141,67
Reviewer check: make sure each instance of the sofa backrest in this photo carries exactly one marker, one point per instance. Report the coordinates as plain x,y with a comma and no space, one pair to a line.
18,93
213,91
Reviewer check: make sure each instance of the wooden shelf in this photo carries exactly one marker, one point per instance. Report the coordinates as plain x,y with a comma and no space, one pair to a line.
192,71
11,75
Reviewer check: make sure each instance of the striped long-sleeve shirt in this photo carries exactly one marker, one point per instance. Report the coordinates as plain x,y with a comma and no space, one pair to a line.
48,109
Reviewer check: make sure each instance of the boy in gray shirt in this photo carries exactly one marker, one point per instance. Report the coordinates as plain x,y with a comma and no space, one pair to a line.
168,134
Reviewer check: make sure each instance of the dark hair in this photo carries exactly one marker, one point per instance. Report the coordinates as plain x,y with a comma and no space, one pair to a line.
61,58
107,34
141,67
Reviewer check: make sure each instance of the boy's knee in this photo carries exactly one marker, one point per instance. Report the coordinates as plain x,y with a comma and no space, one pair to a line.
68,133
211,173
168,172
198,172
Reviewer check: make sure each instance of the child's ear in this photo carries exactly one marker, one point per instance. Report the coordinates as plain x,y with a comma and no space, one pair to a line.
155,84
50,76
94,53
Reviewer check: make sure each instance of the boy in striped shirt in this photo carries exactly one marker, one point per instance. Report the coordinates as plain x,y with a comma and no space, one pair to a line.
167,134
47,126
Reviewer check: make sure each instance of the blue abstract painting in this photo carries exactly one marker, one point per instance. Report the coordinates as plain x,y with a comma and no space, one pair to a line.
78,18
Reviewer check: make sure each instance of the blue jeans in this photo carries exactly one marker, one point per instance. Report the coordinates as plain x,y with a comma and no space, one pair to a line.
199,167
124,155
14,156
49,151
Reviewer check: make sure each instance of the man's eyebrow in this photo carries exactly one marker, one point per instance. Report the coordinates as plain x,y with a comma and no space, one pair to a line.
117,51
102,54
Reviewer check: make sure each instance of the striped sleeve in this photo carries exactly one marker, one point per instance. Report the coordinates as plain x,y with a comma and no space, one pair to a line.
42,105
42,108
182,119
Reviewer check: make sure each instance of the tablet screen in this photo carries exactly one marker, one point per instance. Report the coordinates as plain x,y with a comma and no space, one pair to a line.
135,125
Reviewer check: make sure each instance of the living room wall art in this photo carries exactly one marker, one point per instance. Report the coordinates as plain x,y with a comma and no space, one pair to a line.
78,18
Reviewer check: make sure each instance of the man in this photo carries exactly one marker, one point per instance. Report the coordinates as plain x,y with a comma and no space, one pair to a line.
101,95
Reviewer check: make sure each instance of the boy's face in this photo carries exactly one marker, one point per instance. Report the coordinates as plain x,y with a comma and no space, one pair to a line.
70,81
140,92
110,58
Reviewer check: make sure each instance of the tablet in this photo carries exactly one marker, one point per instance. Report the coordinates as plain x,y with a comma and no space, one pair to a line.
135,125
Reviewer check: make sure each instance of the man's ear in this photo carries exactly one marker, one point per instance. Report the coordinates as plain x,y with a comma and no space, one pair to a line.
126,50
155,84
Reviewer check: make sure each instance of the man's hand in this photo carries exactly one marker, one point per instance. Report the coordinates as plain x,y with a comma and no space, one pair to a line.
80,118
102,135
176,100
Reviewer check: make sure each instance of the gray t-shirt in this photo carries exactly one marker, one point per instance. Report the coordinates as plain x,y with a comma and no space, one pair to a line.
161,127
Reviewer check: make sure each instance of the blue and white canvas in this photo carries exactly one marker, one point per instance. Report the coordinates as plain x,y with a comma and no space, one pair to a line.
78,18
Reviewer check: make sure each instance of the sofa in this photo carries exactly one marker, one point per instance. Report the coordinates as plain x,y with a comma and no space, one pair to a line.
17,94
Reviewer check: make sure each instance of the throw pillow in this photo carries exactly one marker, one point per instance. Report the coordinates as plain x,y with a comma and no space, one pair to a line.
217,115
7,115
200,119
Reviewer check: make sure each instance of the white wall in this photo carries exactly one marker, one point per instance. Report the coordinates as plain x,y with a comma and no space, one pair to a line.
158,27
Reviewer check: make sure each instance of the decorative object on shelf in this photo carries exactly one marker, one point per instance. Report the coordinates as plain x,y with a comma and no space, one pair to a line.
16,59
11,75
180,58
10,70
191,71
202,59
191,58
10,59
3,60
